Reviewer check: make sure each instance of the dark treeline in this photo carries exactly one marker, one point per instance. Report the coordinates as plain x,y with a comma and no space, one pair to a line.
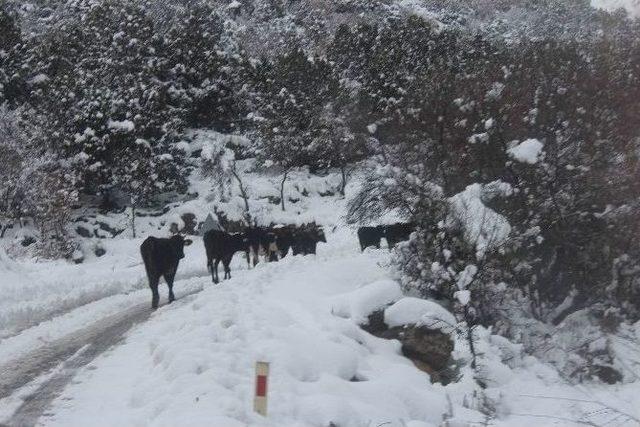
96,99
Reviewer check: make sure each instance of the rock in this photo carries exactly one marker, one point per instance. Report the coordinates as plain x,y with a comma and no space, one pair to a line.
375,323
28,241
144,214
606,374
429,349
77,256
425,367
422,344
83,232
106,227
274,200
99,251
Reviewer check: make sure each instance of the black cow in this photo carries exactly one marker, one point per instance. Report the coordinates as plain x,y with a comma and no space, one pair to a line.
161,258
221,246
370,236
306,239
273,252
261,240
398,232
285,236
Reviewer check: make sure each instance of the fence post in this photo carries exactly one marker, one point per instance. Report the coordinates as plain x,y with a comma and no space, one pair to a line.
260,399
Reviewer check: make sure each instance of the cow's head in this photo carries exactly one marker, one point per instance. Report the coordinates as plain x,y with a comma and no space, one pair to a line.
318,233
179,242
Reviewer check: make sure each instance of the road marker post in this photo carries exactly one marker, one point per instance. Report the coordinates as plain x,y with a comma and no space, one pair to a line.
260,399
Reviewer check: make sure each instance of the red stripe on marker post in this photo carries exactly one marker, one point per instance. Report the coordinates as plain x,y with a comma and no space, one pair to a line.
261,386
260,399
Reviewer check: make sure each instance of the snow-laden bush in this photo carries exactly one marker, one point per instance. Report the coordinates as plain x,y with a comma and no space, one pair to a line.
524,190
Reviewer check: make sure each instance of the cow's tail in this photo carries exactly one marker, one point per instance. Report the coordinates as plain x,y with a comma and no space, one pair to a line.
145,250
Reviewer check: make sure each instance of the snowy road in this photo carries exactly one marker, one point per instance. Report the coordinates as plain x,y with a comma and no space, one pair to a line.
30,383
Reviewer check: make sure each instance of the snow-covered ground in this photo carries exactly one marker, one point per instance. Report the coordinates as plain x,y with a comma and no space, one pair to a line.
192,363
34,292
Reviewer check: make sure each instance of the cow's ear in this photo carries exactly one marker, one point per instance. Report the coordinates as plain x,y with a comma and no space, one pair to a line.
187,242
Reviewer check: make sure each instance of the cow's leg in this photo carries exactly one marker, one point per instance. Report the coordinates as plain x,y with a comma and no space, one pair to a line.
214,271
273,252
169,278
227,270
155,297
256,253
210,265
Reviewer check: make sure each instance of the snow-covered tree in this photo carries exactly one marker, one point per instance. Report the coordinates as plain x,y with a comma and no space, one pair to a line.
10,37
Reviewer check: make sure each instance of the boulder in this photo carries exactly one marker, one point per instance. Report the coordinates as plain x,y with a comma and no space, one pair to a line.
83,232
107,228
429,349
77,256
606,374
422,344
28,241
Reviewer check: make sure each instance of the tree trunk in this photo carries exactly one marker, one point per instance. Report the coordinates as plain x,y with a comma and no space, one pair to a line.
343,172
243,193
472,347
133,220
284,178
3,229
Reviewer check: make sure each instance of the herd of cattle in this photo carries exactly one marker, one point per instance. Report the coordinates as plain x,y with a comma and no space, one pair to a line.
161,255
393,233
271,242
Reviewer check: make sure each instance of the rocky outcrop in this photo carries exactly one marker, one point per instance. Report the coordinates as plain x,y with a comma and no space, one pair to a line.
429,349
